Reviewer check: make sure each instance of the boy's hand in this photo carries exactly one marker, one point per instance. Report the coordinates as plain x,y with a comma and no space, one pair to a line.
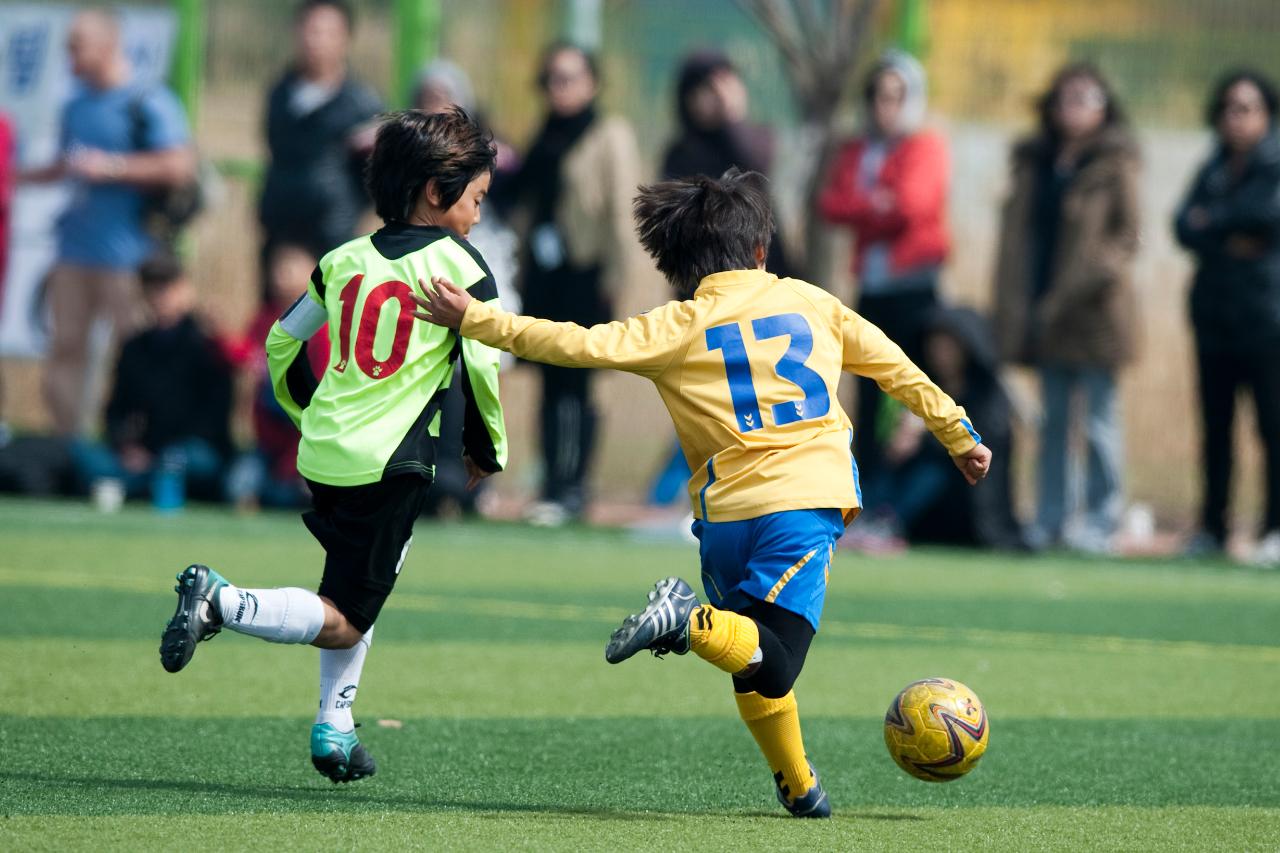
444,302
974,464
474,473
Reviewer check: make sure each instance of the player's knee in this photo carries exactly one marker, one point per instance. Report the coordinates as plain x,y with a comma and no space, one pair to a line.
773,680
338,632
349,638
774,685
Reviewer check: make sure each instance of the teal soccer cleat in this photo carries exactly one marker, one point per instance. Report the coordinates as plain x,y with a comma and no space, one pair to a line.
339,755
662,627
814,803
197,617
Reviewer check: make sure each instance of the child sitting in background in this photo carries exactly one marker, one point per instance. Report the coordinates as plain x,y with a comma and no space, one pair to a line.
915,497
167,421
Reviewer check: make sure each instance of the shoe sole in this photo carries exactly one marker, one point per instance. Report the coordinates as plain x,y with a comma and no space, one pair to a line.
623,642
177,643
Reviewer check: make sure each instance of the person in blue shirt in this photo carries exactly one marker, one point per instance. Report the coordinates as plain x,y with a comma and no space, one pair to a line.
120,142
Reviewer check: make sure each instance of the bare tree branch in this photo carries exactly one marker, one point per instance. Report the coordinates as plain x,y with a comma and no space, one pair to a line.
820,44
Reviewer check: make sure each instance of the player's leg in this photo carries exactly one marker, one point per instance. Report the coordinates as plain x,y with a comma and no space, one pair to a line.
780,558
768,707
766,579
366,534
774,581
207,603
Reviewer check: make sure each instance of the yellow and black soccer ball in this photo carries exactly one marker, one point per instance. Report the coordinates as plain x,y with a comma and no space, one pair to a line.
936,729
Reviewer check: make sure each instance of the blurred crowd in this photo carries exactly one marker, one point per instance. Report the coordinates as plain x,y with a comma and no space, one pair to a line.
559,238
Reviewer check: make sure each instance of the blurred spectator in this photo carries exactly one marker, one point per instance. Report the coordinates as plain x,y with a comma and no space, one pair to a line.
890,186
442,84
167,419
6,200
1231,222
1064,299
714,135
268,475
319,132
575,189
918,495
120,142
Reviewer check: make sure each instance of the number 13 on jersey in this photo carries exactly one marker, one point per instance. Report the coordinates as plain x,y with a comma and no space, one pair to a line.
728,338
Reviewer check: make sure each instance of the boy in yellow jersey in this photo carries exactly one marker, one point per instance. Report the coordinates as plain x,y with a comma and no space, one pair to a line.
747,365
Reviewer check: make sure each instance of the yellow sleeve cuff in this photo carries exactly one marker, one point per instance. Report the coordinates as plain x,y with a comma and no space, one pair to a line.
958,437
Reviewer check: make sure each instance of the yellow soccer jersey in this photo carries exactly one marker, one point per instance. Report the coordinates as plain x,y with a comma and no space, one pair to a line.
748,369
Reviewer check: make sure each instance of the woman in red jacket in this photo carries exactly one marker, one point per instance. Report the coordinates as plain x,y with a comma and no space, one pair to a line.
889,186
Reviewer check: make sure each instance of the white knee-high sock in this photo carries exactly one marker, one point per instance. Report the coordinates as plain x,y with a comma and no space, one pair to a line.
285,615
339,680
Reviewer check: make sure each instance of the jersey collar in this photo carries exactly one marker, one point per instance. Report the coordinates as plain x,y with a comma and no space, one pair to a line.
733,278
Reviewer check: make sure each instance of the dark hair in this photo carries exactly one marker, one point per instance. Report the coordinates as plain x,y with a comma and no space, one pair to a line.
1218,98
1114,114
414,147
159,271
693,227
697,69
342,7
563,46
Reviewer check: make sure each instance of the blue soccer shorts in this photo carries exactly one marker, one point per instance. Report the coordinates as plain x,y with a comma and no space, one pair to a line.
782,558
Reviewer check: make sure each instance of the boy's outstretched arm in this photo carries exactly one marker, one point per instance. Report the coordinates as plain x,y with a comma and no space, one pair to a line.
869,352
644,345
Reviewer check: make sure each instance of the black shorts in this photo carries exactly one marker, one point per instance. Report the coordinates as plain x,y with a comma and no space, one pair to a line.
365,531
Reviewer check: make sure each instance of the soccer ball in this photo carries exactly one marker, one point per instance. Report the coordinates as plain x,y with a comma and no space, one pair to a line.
936,729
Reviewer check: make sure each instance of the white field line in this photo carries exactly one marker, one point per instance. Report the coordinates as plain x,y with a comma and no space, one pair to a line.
881,631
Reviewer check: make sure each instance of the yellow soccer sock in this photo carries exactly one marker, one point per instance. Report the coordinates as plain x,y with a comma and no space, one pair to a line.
722,638
775,724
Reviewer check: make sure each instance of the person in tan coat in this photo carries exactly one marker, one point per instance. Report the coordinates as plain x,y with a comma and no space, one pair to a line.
1064,299
571,199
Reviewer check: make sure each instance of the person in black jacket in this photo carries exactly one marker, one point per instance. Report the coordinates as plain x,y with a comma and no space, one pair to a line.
170,408
1230,221
318,128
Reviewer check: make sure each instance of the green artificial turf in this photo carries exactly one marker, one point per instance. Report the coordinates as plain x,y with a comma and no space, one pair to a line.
1133,706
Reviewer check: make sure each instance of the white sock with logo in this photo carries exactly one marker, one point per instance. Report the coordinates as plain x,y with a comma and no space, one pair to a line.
339,680
285,615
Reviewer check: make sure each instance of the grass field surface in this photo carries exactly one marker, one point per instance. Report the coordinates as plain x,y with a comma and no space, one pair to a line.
1133,706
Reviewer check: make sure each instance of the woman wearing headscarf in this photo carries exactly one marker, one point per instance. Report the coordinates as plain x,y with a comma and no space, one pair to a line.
573,196
1065,303
889,186
1231,223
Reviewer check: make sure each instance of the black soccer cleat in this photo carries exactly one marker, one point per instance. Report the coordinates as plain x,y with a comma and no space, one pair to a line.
662,627
813,803
197,617
339,756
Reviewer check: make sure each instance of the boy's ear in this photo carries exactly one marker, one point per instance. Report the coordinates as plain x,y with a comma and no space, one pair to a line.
432,193
760,256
